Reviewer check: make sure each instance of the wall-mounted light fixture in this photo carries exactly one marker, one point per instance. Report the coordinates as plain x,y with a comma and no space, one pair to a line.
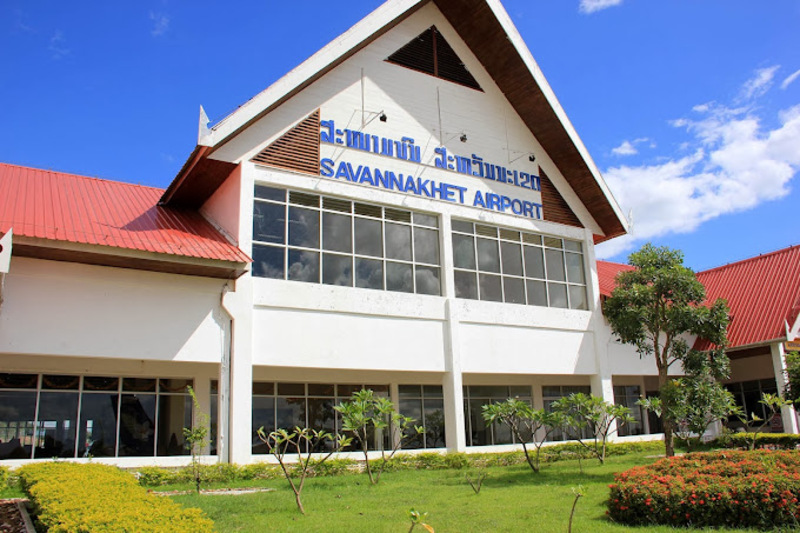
532,158
382,118
463,137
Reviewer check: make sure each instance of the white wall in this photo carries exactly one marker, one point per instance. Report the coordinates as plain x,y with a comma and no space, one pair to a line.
69,309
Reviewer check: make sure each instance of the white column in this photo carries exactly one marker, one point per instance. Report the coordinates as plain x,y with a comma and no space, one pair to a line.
202,390
788,414
452,382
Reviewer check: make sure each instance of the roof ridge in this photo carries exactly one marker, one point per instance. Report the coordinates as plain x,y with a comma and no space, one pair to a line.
82,176
750,259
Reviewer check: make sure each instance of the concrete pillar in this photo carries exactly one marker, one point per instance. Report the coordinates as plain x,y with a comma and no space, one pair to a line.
788,414
452,382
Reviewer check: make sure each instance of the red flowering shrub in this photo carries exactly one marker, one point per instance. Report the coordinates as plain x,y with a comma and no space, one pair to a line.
758,489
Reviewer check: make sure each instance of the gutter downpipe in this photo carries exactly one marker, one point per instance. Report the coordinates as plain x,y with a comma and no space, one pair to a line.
224,388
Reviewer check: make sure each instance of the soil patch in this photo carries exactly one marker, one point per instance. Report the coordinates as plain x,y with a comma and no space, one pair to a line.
11,519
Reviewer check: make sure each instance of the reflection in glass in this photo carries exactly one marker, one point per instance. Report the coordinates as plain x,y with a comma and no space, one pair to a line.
337,270
434,423
263,416
488,256
577,297
98,434
463,251
290,413
267,261
537,293
534,262
512,258
514,290
303,227
174,414
399,277
398,241
490,288
555,265
426,246
466,285
558,295
412,407
303,266
575,268
17,410
369,273
268,222
369,240
337,233
55,434
427,279
136,425
321,417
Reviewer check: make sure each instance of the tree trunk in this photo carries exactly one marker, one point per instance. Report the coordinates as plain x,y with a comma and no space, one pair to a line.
669,432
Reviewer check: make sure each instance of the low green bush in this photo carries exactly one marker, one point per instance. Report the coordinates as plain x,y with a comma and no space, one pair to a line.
783,441
3,475
738,489
95,498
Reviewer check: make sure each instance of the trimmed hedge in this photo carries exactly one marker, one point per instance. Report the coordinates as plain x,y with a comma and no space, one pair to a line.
758,489
784,441
224,473
95,498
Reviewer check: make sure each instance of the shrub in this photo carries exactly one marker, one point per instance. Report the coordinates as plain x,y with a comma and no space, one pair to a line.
3,476
83,498
154,476
724,489
785,441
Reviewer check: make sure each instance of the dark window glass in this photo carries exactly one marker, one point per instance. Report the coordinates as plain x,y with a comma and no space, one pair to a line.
514,290
399,277
466,285
17,410
60,382
290,412
412,407
490,288
434,423
303,266
534,262
269,193
488,256
269,222
174,385
266,388
555,265
369,273
98,434
337,270
136,425
463,251
369,240
337,233
268,261
319,389
18,381
55,434
428,280
558,295
301,198
263,417
462,226
291,389
426,246
433,391
398,215
139,385
321,416
100,384
174,414
409,391
426,220
512,258
537,293
398,241
335,204
303,227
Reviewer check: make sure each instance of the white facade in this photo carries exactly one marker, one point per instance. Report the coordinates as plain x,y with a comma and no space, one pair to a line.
67,318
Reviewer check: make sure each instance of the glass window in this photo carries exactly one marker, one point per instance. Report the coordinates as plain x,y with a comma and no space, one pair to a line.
463,251
267,261
398,241
369,273
303,266
466,285
488,255
98,432
303,227
17,416
512,258
399,277
269,222
137,428
336,233
369,240
337,270
174,414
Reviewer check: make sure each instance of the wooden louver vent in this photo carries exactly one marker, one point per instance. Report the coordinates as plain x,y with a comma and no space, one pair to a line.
297,149
554,206
429,53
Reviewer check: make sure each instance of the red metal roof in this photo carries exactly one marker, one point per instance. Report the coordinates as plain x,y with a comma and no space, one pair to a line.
763,293
67,207
606,272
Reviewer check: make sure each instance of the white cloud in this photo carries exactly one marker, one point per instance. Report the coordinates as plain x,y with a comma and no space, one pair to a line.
759,84
789,79
590,6
735,165
629,147
160,24
58,45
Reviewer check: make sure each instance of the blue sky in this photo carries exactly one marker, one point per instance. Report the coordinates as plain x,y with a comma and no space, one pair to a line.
690,109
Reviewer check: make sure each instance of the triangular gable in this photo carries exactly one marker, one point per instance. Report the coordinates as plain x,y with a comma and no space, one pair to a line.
554,207
430,53
297,149
483,26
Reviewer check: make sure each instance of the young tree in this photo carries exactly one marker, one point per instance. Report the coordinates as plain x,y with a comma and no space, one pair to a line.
366,414
525,423
754,423
792,392
196,437
300,441
654,306
585,411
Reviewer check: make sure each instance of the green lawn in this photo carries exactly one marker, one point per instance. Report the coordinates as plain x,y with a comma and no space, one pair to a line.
512,499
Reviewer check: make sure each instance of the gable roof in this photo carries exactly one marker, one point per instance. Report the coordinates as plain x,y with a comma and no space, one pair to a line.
487,29
763,294
55,215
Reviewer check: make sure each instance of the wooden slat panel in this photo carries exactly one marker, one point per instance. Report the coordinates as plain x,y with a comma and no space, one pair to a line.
297,149
554,206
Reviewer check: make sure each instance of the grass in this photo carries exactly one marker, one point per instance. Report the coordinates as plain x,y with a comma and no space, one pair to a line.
512,499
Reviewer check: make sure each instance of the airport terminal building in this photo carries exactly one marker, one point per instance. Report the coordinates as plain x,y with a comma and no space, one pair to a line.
409,210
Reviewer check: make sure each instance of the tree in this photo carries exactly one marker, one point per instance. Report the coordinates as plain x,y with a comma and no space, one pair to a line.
366,414
299,441
527,424
792,392
655,306
754,423
585,411
196,437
